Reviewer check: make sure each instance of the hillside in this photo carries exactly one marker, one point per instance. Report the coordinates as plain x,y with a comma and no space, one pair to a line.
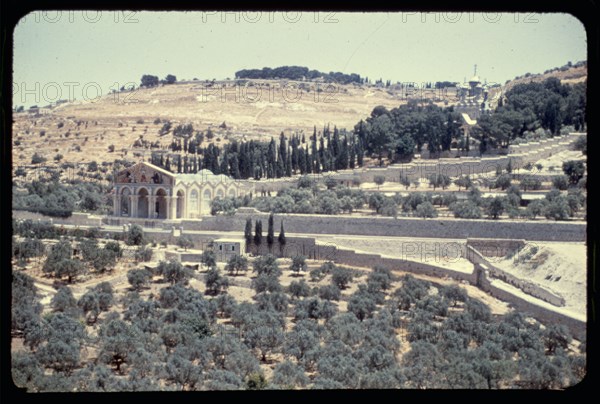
83,131
108,121
566,75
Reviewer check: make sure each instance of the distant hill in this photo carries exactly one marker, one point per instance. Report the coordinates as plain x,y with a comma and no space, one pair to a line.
566,74
121,125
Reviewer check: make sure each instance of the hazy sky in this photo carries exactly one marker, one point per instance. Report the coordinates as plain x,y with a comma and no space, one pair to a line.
85,48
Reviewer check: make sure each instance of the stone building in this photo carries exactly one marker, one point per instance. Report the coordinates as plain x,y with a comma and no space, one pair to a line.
147,191
472,97
224,248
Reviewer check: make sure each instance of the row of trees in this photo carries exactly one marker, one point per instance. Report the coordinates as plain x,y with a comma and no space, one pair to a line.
52,198
395,134
555,205
257,238
549,105
149,80
297,73
330,150
308,197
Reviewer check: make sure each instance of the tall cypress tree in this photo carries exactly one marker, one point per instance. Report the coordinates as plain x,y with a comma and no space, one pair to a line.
281,239
288,166
360,153
301,161
270,232
282,147
352,157
258,235
248,233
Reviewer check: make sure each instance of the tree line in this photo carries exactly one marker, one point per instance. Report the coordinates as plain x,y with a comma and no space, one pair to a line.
548,105
297,73
329,150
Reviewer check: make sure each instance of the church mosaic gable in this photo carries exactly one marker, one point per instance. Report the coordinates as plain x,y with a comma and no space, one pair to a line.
143,174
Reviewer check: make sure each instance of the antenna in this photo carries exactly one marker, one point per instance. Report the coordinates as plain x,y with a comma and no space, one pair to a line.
475,71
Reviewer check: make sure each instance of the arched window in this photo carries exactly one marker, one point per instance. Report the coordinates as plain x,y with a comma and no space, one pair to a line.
194,202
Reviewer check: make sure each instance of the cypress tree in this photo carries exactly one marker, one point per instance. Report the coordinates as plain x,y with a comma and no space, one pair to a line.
281,238
248,233
270,232
258,234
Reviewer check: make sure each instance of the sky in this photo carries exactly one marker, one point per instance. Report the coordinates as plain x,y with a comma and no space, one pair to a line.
83,54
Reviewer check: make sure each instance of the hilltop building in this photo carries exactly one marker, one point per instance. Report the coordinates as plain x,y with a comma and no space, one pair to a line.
148,191
473,97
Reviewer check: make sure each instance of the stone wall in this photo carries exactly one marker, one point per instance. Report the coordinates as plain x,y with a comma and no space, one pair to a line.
527,287
402,227
77,218
496,247
546,316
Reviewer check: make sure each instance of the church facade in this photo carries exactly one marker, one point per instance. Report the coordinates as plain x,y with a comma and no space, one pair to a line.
147,191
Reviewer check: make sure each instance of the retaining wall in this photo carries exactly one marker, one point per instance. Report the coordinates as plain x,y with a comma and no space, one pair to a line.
402,227
77,218
527,287
496,247
544,315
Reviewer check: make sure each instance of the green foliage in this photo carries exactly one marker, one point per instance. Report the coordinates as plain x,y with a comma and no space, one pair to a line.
173,272
149,80
581,144
256,381
503,181
560,182
143,254
138,278
215,282
185,242
463,181
379,180
60,200
426,210
266,265
341,277
299,289
208,258
439,180
495,207
135,235
266,283
37,159
574,169
298,264
466,210
236,264
530,182
28,248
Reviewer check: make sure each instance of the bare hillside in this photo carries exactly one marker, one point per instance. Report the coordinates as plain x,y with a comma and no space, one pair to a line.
83,131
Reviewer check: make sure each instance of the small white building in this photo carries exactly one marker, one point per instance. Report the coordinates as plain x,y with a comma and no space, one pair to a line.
225,248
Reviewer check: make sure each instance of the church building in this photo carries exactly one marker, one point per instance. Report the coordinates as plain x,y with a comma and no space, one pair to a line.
147,191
